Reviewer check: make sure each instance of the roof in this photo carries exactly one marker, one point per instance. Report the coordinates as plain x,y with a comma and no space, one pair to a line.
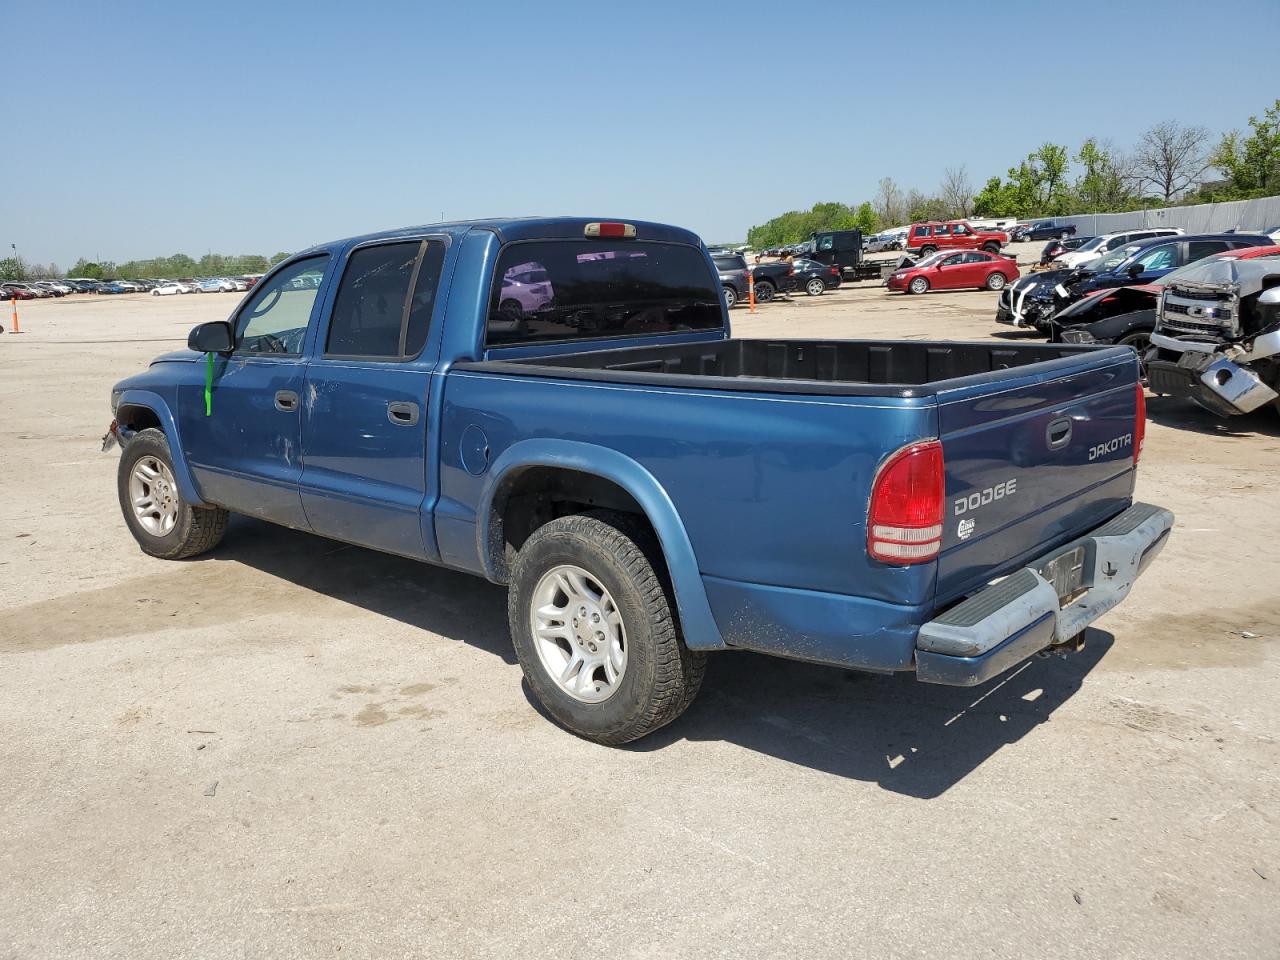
520,228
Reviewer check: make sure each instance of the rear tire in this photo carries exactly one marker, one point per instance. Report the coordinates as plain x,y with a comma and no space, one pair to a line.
815,287
927,249
997,281
162,522
765,291
991,247
609,565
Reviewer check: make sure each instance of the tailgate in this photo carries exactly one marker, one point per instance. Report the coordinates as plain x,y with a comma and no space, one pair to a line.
1033,459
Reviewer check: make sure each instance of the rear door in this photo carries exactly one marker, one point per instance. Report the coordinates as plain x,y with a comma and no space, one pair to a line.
365,413
1033,460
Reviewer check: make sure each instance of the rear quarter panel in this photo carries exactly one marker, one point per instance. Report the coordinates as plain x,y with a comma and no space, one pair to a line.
771,489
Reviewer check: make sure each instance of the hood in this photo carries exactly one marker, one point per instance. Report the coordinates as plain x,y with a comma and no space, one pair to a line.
1246,276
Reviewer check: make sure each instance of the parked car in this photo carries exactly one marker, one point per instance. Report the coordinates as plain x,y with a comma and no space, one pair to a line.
525,289
33,291
1035,300
955,270
1127,315
733,273
1107,242
1046,229
772,279
209,285
924,238
1217,335
815,278
884,242
944,512
112,287
168,289
1055,248
16,291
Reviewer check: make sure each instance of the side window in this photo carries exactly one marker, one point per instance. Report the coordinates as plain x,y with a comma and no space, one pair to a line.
953,260
960,230
374,315
826,243
1197,249
275,319
1161,258
922,231
941,230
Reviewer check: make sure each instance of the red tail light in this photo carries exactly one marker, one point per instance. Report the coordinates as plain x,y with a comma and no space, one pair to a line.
791,271
607,229
904,520
835,271
1140,424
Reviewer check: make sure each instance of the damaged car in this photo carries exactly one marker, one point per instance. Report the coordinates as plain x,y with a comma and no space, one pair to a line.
1217,336
1126,316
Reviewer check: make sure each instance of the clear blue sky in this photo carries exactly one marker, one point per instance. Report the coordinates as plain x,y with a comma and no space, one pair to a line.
256,127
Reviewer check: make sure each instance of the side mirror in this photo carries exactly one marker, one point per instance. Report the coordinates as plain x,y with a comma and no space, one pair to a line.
214,337
1135,269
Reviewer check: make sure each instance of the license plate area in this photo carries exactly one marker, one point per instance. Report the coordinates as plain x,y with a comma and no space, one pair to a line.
1065,573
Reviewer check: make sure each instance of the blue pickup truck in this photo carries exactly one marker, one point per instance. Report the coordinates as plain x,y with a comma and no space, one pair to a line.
557,405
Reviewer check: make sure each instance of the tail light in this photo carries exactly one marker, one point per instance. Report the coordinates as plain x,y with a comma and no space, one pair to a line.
626,230
1140,424
791,271
904,520
835,271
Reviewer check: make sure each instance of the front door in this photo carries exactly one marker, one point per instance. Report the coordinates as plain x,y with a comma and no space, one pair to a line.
365,420
245,451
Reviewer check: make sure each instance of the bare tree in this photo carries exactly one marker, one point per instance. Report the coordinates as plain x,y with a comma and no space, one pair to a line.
1170,158
956,192
888,203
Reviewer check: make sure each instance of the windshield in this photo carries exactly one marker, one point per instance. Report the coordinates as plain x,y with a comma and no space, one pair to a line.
1112,260
1091,245
930,260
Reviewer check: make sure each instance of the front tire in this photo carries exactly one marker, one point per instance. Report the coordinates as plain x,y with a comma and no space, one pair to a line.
765,291
593,626
164,524
815,287
730,297
918,285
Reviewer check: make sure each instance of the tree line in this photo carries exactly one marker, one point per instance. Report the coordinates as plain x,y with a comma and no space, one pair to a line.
172,267
1170,164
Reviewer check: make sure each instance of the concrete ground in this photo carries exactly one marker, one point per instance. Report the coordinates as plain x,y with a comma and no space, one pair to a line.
292,748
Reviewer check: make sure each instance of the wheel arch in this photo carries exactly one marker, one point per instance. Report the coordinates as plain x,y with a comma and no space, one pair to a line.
616,481
140,409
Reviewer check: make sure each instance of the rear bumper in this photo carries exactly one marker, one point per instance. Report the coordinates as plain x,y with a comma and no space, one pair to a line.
1021,615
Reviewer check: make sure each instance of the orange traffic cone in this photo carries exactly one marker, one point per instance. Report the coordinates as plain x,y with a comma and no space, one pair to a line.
16,328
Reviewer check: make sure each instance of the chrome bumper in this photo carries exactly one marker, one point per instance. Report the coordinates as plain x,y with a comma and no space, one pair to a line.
1022,614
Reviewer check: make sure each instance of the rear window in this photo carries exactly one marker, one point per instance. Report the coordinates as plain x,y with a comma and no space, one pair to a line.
589,290
730,263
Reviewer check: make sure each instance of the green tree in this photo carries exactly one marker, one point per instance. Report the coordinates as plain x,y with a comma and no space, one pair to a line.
278,257
1252,163
866,219
13,268
1104,184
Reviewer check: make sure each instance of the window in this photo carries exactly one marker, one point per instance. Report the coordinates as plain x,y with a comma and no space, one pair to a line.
588,290
275,320
1161,258
827,242
941,230
960,230
373,314
1197,249
954,260
922,231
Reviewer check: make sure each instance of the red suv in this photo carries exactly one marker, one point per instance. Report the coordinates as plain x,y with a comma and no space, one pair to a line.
925,238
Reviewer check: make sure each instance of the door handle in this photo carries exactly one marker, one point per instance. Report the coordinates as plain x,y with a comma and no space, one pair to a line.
286,401
402,413
1058,433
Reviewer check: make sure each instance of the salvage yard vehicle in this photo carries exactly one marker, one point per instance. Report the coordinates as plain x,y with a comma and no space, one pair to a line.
1217,335
1046,229
1127,315
925,238
733,273
1097,246
1036,300
842,249
772,278
961,270
815,278
649,488
1056,248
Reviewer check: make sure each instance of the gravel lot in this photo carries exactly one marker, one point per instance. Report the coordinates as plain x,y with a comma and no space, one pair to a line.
292,748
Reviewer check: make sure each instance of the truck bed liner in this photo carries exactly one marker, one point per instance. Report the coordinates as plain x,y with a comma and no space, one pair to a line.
848,367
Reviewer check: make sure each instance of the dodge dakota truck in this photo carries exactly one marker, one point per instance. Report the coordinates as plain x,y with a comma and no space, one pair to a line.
650,488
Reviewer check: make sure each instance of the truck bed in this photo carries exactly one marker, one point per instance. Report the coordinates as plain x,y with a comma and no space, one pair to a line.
890,368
